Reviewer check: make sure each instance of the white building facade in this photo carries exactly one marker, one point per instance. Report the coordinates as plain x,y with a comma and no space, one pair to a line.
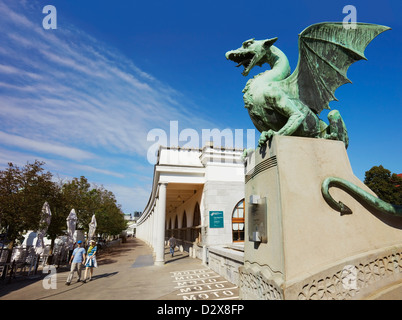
198,196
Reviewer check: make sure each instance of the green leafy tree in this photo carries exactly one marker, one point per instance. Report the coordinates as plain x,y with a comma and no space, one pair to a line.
397,182
23,191
60,210
10,218
76,196
387,186
110,218
96,201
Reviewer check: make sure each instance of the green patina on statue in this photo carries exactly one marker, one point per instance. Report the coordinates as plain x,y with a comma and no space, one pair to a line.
368,198
289,104
281,103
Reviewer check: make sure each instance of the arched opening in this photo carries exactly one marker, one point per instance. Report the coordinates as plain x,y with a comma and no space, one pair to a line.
197,216
184,220
196,229
184,230
238,222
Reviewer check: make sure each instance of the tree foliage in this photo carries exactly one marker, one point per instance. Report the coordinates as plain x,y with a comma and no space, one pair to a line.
96,201
386,185
23,191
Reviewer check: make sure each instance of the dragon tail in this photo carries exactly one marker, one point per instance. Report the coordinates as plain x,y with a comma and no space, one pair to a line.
358,192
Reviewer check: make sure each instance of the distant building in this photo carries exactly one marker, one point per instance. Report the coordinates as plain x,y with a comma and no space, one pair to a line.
132,224
198,196
128,216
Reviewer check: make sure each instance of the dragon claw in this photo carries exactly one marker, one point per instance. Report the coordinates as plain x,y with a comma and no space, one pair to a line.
265,136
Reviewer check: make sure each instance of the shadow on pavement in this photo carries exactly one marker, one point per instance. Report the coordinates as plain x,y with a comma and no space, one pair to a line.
178,255
111,255
106,256
104,275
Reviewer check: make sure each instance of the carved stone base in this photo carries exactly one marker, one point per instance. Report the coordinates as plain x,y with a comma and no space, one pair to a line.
354,278
302,248
258,283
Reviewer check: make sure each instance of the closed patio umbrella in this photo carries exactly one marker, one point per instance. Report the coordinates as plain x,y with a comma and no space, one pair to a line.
92,228
46,216
71,225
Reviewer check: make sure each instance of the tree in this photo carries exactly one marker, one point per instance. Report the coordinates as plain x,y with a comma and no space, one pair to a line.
60,210
76,196
386,186
397,182
23,191
10,219
96,201
110,218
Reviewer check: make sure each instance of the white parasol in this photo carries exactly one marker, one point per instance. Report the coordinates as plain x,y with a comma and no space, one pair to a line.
46,216
92,228
71,224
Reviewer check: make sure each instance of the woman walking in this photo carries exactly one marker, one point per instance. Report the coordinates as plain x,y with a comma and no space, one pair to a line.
91,260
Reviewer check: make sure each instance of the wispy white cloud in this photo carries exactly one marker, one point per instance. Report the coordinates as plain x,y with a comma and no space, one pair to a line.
81,106
15,71
15,18
97,170
44,147
92,76
131,195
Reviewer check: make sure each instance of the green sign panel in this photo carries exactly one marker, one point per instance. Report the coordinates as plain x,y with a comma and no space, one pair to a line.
216,219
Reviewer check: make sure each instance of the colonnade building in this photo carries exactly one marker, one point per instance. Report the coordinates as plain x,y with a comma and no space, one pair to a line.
198,196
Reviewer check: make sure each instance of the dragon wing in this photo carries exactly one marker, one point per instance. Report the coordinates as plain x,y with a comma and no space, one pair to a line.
326,50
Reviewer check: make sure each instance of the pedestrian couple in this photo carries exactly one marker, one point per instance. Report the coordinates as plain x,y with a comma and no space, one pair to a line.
77,259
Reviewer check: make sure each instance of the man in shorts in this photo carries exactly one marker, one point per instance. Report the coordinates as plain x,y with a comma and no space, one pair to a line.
76,260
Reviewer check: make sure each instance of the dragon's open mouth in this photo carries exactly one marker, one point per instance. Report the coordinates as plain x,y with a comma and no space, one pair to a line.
245,59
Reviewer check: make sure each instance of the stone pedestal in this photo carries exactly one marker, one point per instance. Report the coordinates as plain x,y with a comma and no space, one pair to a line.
302,248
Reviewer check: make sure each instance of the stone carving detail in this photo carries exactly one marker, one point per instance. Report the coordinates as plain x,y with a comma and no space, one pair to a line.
255,286
350,280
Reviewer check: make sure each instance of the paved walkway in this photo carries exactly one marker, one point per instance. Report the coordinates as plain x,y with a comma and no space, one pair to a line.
127,272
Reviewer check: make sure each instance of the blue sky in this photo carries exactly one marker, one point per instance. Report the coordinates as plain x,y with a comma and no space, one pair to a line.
83,97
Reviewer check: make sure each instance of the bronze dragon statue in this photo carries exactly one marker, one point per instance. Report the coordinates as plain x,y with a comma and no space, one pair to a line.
281,103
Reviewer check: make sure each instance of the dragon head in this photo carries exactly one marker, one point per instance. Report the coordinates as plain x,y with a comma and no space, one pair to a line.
251,53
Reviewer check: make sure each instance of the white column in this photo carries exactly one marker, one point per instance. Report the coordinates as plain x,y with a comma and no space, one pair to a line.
147,230
160,225
151,229
150,226
154,224
204,255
